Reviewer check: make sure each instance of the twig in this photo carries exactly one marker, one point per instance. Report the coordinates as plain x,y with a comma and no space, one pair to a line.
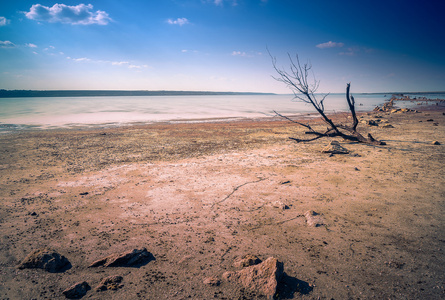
293,121
235,189
275,223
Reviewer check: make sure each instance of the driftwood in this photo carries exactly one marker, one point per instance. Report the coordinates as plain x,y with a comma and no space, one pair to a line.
297,79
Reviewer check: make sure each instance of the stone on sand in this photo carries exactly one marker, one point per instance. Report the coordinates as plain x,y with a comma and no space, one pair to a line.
47,259
212,281
110,283
246,261
77,290
313,219
335,148
134,258
262,278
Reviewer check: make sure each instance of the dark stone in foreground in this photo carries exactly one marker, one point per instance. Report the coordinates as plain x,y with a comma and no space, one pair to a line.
135,258
77,291
46,259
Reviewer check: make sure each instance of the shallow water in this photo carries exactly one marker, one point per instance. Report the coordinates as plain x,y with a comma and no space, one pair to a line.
55,112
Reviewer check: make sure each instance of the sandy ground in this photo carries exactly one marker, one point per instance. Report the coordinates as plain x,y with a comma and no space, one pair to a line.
198,196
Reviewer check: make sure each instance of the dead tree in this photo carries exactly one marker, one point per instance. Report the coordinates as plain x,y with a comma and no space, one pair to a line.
297,79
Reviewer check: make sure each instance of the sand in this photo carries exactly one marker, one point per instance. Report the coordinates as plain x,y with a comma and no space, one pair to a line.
199,196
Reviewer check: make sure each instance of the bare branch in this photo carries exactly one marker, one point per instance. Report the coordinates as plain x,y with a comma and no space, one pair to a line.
297,80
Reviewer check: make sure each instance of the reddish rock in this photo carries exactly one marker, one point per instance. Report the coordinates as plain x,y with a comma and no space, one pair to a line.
110,283
246,261
262,278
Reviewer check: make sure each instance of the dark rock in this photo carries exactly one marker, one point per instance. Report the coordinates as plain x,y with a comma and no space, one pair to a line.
135,258
46,259
77,291
110,283
436,143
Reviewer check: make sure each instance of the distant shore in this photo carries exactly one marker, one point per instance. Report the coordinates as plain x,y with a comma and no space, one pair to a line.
112,93
116,93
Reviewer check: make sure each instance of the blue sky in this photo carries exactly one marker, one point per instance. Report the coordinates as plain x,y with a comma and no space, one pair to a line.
221,45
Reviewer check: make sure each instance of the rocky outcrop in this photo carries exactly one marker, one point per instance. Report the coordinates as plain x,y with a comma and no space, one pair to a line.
262,278
47,259
135,258
77,291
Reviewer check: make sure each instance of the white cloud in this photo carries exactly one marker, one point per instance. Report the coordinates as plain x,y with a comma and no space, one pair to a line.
119,63
76,15
245,54
81,59
31,45
239,53
178,21
350,52
4,21
221,2
330,44
6,44
107,62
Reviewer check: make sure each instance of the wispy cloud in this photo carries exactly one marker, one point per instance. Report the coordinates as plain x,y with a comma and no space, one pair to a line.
221,2
178,21
330,44
7,44
4,21
245,54
76,15
351,51
30,45
108,62
239,53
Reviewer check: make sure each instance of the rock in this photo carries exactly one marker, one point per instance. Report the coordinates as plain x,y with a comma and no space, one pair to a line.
436,143
372,123
110,283
279,204
77,291
335,148
313,219
262,278
213,281
135,258
46,259
246,261
387,126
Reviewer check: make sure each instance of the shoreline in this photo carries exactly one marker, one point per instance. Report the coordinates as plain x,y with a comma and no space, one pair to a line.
6,128
199,196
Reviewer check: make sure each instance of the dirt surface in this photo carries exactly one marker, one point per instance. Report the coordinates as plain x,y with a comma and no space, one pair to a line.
199,196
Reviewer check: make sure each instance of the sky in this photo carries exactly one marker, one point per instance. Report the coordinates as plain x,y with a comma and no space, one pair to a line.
221,45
